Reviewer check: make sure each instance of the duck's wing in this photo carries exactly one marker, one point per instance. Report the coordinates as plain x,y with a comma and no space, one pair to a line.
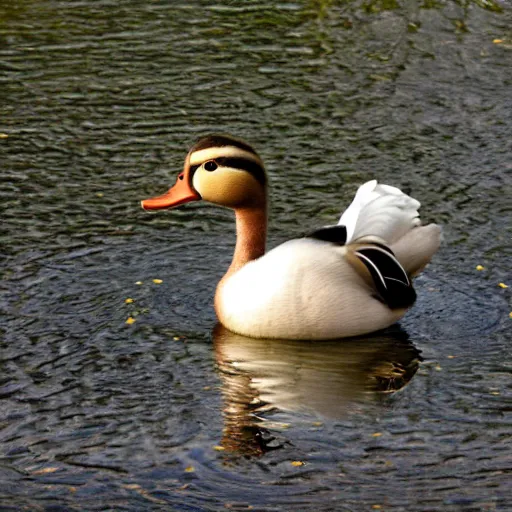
379,267
380,212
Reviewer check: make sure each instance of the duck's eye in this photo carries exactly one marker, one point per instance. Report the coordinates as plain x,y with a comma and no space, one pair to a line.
210,166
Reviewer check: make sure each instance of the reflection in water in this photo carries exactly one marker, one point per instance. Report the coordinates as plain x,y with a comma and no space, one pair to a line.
326,378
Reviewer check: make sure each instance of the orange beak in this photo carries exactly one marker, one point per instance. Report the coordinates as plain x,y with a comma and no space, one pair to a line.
182,192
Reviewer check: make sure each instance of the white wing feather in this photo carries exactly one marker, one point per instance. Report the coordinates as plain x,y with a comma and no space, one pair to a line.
380,211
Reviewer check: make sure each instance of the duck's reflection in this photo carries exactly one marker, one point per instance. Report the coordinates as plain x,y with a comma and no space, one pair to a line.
326,378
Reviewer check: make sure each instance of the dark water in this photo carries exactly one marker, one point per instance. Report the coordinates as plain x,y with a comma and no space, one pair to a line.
98,104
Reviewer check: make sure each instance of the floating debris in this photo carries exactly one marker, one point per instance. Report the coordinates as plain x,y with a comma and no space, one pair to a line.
45,471
219,448
190,469
139,282
377,434
480,267
297,463
497,41
157,281
130,320
100,194
128,300
3,136
503,285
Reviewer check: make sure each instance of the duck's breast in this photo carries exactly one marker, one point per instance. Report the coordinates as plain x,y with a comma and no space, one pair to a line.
302,289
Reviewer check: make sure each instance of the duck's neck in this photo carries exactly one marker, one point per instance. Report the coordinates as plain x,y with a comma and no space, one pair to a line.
251,236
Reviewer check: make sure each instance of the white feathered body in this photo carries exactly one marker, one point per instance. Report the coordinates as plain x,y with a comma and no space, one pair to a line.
311,289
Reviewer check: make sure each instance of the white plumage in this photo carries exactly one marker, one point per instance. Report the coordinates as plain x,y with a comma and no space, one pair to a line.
380,211
302,289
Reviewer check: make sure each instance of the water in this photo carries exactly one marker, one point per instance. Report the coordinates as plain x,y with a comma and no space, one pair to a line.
99,102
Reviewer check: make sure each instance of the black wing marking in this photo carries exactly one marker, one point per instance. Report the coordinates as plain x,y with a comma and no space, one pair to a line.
389,277
333,234
374,243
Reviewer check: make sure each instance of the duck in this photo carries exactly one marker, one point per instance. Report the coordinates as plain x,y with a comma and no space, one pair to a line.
343,280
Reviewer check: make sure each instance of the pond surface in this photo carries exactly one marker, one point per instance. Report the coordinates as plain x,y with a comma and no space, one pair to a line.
99,102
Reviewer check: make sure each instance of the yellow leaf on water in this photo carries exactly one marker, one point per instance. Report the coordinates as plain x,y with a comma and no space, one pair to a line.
139,282
128,301
189,469
480,267
297,463
99,194
130,320
377,434
157,281
3,136
45,471
497,41
219,448
503,285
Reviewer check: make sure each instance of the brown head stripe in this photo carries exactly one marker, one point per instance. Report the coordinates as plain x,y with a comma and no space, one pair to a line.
250,166
218,140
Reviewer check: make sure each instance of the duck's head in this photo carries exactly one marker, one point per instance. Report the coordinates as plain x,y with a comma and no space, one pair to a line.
220,169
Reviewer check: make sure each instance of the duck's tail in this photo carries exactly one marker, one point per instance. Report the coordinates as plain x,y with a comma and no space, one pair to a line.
384,214
416,248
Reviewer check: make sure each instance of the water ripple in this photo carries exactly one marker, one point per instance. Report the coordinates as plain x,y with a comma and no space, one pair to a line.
100,102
